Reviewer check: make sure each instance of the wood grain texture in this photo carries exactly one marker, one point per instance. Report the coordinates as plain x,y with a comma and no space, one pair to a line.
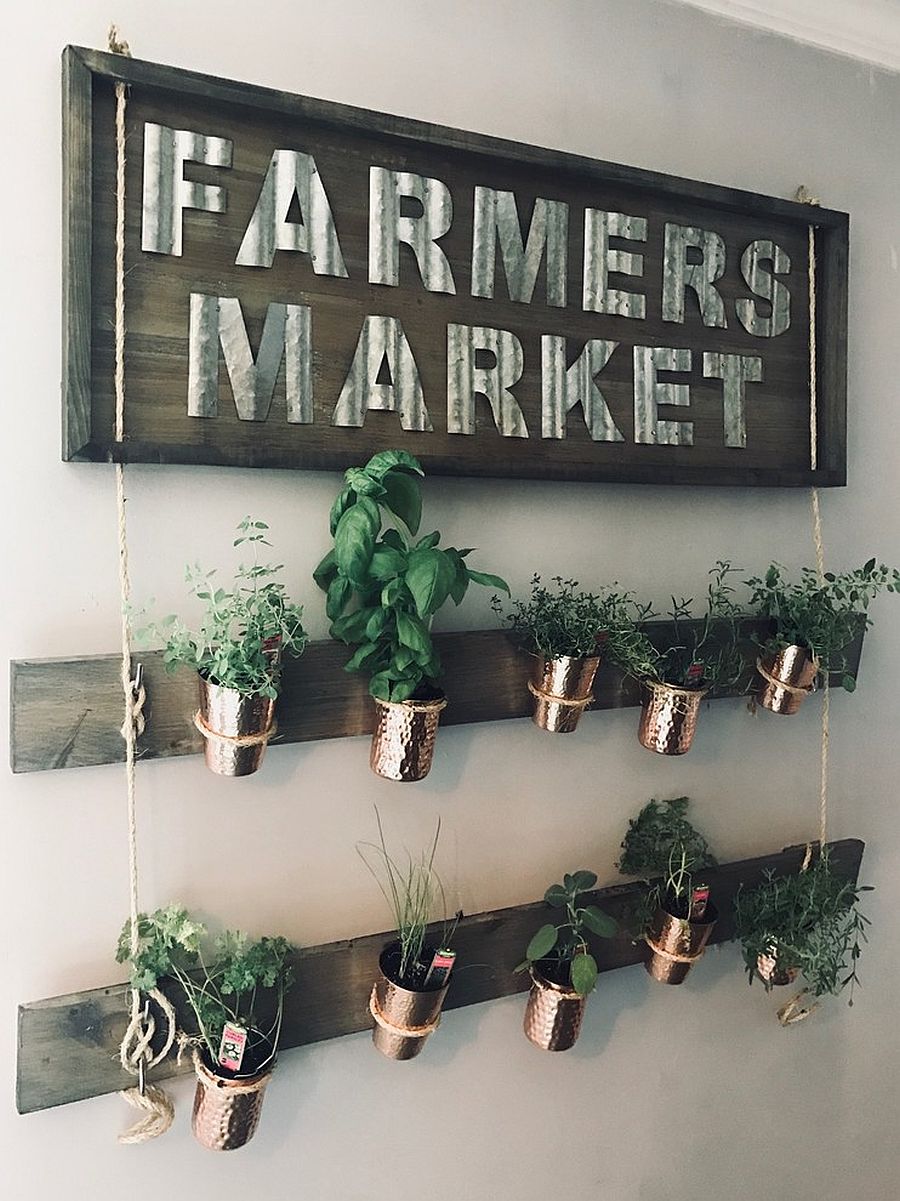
77,141
345,143
67,1046
68,712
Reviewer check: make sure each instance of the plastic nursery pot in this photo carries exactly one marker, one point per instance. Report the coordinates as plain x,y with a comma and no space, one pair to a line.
787,677
226,1109
771,973
236,729
676,944
553,1014
403,739
404,1017
561,688
669,717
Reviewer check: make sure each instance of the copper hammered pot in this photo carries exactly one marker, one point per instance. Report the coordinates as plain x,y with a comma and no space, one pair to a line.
226,1112
771,974
669,717
403,739
404,1017
787,677
236,729
553,1014
676,944
561,688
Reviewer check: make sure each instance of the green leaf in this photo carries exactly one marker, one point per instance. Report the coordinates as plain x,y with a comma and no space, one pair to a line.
489,581
402,658
542,943
387,460
395,539
402,690
339,592
380,686
556,896
598,921
460,585
403,496
393,592
429,577
585,881
376,623
343,502
386,563
413,633
428,541
354,543
584,974
363,484
569,883
361,656
352,626
324,573
849,683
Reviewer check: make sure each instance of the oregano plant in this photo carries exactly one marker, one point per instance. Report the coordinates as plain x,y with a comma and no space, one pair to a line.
561,950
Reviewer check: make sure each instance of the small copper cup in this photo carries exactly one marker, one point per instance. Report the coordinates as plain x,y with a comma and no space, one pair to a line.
226,1112
235,728
561,688
403,739
676,944
772,974
404,1017
669,717
787,677
553,1014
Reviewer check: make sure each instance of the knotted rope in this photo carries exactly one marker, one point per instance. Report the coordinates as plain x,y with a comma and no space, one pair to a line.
399,1031
551,698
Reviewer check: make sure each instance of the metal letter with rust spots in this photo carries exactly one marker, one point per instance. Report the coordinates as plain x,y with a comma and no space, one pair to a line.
167,193
649,393
496,213
599,260
388,228
286,335
764,283
562,389
679,274
382,340
292,173
735,370
465,380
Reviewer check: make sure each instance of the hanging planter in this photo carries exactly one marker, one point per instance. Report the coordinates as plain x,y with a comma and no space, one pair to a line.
226,1110
563,971
383,590
406,1016
235,728
787,677
774,968
676,942
669,717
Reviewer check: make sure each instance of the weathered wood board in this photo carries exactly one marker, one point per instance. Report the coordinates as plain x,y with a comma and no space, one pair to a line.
68,712
68,1046
496,309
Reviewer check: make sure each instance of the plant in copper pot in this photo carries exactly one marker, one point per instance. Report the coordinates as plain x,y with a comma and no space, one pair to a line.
414,970
565,630
675,916
236,1000
810,623
562,968
237,651
808,923
701,655
384,586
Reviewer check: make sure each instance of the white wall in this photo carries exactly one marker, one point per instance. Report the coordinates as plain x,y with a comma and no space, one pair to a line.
744,1105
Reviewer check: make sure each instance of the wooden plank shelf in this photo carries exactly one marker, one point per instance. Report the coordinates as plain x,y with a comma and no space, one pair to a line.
68,712
68,1046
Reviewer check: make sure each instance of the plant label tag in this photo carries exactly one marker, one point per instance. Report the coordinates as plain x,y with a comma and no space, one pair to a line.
694,674
699,901
232,1047
441,967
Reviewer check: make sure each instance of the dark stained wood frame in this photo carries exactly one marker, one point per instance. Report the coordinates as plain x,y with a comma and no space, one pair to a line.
81,66
68,712
68,1046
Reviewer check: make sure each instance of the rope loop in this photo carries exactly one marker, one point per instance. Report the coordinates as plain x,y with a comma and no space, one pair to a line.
400,1031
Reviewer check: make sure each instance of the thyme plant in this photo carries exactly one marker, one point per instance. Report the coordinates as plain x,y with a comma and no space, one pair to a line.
664,848
562,949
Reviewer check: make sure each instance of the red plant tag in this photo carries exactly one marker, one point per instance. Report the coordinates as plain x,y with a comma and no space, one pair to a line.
441,967
694,673
232,1047
699,901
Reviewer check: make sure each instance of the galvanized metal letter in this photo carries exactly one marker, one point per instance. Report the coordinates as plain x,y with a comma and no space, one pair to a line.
599,260
382,339
735,370
292,173
286,335
679,274
167,193
649,393
387,228
562,389
496,213
765,284
465,380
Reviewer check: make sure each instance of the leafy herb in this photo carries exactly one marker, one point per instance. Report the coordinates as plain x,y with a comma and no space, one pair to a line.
383,589
563,949
809,921
243,633
663,847
170,945
822,617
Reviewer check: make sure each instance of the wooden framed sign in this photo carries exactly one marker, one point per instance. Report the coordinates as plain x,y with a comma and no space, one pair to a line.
309,283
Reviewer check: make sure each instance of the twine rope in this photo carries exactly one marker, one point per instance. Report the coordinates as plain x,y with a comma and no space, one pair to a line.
783,684
673,955
552,699
400,1031
235,739
795,1011
234,1087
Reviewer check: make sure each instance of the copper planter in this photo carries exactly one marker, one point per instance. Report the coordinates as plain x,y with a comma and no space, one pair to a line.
403,739
235,728
669,717
226,1112
786,679
404,1017
771,973
561,688
553,1014
676,944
